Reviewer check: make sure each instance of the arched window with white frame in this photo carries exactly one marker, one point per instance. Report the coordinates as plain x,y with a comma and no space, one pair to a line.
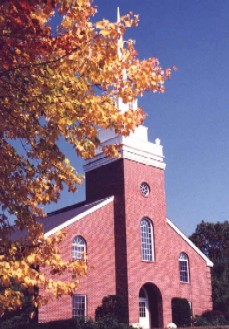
184,267
147,240
79,248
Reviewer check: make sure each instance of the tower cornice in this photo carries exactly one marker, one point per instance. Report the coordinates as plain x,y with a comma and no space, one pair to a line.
135,147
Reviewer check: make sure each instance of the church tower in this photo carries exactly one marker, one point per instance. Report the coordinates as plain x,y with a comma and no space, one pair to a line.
136,180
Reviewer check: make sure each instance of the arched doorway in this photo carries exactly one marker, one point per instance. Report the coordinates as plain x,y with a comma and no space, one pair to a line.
150,307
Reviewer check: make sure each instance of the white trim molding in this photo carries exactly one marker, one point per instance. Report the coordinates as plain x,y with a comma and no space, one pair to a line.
135,147
191,244
78,217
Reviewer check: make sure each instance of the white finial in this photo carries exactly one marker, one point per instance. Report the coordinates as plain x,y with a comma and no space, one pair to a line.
120,41
120,105
118,15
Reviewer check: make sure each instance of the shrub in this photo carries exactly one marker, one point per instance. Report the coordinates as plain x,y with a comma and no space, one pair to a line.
200,321
210,318
114,307
107,322
81,324
61,324
181,312
16,322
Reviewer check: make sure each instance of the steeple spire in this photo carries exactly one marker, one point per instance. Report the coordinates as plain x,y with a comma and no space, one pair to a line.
118,15
136,146
120,41
120,105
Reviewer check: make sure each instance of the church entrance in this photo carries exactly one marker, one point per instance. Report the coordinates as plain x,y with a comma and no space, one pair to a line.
150,307
144,316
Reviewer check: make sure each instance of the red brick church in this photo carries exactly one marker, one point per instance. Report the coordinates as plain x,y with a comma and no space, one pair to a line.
132,249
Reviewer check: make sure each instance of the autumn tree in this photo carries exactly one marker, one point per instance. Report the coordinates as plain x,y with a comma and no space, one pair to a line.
213,240
56,83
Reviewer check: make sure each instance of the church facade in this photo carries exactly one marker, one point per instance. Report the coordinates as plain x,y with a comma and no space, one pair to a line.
132,249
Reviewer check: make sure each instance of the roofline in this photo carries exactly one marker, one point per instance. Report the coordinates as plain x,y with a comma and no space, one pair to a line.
79,216
192,245
64,209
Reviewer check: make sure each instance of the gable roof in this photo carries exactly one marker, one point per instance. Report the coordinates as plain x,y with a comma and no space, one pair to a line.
57,220
191,244
65,217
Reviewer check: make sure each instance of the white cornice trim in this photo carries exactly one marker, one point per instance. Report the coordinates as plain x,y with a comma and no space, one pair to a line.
78,217
131,148
192,245
125,153
142,156
98,161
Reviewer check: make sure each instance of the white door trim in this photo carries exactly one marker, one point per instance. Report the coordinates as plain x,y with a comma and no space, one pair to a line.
144,320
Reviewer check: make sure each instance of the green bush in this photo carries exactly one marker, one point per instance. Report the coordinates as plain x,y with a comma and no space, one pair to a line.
200,321
210,318
16,322
65,324
181,312
114,307
107,322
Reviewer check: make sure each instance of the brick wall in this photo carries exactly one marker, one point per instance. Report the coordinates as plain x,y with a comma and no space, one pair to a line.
98,231
114,247
105,181
164,271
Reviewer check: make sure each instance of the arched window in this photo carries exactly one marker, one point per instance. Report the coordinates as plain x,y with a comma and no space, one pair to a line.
147,245
79,248
184,267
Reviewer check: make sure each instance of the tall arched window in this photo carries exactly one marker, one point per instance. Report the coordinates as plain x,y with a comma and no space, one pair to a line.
184,267
147,245
79,248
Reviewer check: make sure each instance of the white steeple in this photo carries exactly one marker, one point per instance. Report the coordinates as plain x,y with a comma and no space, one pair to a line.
136,146
118,15
120,41
123,107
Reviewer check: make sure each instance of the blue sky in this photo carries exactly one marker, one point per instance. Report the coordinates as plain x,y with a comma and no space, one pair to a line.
192,117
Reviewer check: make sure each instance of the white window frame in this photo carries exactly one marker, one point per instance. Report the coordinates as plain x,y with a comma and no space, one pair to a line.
184,271
147,240
79,248
81,299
